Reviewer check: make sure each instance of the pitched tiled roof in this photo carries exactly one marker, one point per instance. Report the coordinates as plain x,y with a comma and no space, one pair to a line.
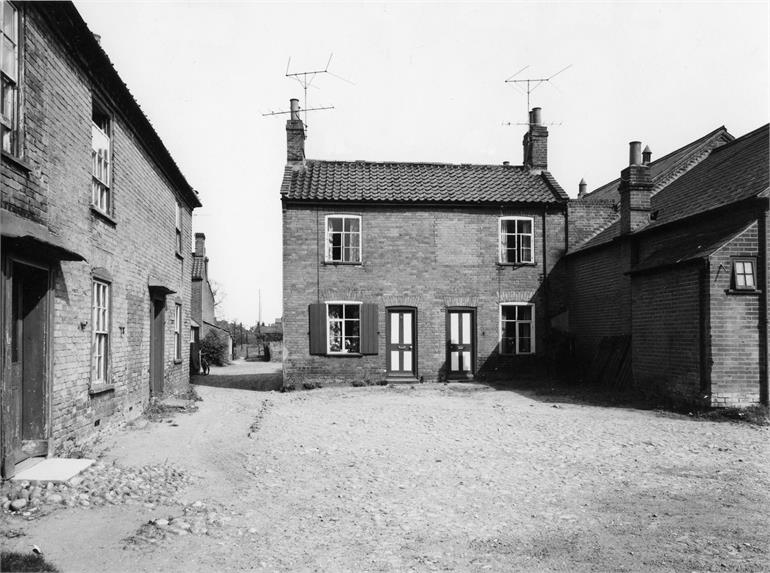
736,171
668,167
418,182
733,172
198,267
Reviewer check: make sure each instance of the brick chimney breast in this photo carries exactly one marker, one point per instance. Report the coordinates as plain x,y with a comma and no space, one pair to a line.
536,143
295,135
200,245
635,191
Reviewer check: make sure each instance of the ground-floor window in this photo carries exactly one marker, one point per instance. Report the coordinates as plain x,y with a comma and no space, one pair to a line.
517,328
344,327
101,331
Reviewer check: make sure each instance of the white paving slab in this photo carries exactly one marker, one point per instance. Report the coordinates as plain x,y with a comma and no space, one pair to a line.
54,469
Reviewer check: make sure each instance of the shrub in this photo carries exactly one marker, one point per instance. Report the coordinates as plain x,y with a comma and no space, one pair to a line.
214,349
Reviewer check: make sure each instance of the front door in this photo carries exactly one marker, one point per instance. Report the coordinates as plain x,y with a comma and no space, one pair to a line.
157,335
402,347
460,342
29,360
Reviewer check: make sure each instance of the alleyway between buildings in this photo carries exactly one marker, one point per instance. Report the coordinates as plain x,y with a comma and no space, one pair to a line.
427,478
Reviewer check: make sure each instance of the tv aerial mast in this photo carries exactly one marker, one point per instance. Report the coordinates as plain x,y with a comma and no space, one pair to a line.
530,88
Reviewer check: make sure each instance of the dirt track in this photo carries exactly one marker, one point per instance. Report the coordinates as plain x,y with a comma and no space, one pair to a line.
444,478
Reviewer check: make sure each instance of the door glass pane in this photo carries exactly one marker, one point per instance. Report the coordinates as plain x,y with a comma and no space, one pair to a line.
407,361
394,360
466,328
454,328
467,361
394,328
454,359
407,329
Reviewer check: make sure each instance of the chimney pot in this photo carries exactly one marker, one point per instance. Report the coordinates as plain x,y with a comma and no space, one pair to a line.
536,143
506,163
646,155
635,153
295,135
294,107
536,115
582,188
200,245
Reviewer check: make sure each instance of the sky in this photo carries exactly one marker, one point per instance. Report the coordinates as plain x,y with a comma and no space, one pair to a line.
421,82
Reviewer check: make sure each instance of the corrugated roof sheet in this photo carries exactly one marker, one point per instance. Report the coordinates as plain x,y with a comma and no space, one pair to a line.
365,181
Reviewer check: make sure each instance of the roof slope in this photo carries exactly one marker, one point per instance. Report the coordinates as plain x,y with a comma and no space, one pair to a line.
730,173
365,181
668,167
736,171
73,30
198,266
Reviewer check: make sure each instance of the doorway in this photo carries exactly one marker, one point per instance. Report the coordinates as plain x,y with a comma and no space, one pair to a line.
28,372
402,343
157,345
461,336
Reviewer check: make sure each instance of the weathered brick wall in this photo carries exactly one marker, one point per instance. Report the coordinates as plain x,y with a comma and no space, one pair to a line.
425,257
207,303
735,324
586,218
137,244
666,334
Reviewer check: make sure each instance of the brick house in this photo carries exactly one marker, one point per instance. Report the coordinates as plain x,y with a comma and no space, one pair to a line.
202,309
418,271
96,217
671,260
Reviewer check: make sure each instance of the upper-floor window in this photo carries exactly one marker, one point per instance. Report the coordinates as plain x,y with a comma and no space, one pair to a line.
101,162
177,331
744,275
178,213
101,331
343,238
517,328
9,78
516,240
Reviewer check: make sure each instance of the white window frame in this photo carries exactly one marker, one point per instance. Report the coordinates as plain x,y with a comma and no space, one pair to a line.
359,304
178,222
100,331
753,274
101,165
10,138
177,331
531,322
328,249
501,244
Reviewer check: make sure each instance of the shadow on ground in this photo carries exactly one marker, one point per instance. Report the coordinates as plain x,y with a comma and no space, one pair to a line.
255,382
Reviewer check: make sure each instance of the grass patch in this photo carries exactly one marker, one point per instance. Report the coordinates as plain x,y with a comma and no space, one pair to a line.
758,415
23,562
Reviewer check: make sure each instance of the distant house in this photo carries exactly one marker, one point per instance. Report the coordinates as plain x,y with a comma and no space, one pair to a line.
203,313
671,261
418,271
95,307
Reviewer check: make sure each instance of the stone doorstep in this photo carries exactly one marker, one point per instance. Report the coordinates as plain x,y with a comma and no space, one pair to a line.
52,469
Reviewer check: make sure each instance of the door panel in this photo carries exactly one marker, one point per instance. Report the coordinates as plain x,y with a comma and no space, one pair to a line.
401,343
29,359
460,343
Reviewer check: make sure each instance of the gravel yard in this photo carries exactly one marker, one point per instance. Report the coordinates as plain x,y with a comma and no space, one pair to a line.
434,477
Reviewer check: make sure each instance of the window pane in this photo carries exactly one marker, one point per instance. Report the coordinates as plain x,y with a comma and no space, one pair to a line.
9,58
351,345
407,330
335,224
394,324
749,273
507,345
335,344
509,312
335,311
510,256
740,280
524,312
351,225
9,21
351,311
352,327
524,226
525,346
509,329
454,329
466,328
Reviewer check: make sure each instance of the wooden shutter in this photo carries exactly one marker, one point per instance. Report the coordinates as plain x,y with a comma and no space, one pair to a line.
317,321
370,339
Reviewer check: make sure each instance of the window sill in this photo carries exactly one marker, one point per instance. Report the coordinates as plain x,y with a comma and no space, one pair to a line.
97,389
532,264
742,291
344,354
17,161
343,264
102,215
177,360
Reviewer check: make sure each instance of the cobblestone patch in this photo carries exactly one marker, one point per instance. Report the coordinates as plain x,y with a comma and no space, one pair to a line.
99,485
198,518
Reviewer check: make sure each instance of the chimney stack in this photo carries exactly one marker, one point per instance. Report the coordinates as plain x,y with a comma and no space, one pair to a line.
536,143
582,188
646,155
295,135
635,191
200,245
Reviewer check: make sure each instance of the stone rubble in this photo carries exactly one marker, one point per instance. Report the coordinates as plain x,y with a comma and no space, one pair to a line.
101,484
198,518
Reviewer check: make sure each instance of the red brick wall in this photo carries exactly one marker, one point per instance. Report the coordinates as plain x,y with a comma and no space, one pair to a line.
139,243
735,323
424,257
666,336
